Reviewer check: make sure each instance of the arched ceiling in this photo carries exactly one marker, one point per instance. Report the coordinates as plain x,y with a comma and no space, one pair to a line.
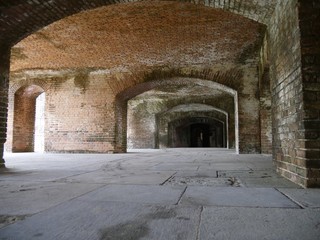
132,35
19,18
181,91
195,107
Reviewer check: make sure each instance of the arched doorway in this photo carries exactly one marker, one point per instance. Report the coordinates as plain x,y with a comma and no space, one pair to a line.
28,121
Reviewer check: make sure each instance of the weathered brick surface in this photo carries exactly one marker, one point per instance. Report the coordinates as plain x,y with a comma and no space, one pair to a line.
285,74
19,18
75,120
4,86
294,119
249,127
265,113
309,150
174,34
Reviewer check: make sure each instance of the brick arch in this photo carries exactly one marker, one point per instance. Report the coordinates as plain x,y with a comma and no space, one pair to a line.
139,88
121,104
43,86
13,88
22,118
203,110
21,18
233,78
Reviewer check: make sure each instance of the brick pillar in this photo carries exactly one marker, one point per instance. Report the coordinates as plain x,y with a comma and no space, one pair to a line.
121,126
248,109
265,113
4,86
309,152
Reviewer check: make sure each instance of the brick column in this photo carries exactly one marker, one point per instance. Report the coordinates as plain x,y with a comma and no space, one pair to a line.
4,85
121,126
309,152
265,113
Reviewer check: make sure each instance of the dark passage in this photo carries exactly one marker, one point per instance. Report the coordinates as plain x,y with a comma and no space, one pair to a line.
197,132
200,135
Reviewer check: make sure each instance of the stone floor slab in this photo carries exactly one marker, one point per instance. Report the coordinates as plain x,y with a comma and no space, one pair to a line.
122,177
175,167
21,198
308,198
83,220
37,174
225,166
201,181
203,173
267,182
259,223
248,174
236,197
137,193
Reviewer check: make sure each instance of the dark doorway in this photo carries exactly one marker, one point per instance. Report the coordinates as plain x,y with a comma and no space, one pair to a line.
197,132
199,135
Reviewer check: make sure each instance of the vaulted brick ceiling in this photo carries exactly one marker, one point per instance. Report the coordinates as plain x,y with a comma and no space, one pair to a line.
180,91
20,18
139,34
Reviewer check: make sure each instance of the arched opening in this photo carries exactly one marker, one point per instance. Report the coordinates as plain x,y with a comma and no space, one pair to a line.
197,132
166,121
28,122
130,93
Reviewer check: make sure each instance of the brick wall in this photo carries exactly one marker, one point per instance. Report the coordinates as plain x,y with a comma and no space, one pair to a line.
142,123
4,86
309,145
79,111
287,91
80,114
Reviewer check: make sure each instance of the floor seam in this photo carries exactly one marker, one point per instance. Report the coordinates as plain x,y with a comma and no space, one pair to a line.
59,180
291,199
169,178
199,223
184,190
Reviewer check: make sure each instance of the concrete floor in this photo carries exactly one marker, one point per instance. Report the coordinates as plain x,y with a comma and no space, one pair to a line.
153,194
